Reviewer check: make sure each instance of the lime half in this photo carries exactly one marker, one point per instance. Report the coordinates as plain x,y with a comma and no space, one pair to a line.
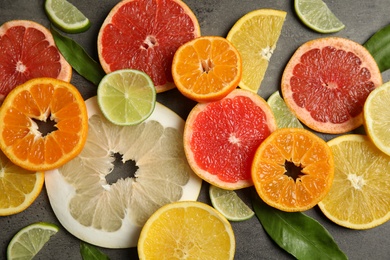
316,15
66,16
126,97
29,240
283,116
229,204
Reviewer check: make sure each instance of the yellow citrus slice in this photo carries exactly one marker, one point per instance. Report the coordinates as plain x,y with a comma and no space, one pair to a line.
255,36
123,175
360,194
293,169
376,113
187,230
18,187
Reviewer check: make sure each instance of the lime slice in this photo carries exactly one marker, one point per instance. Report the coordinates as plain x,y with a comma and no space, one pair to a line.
66,16
316,15
284,117
29,240
229,204
126,97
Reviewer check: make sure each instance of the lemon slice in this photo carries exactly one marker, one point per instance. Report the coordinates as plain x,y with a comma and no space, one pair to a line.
66,16
108,211
359,197
30,240
255,36
229,204
316,15
187,230
377,117
126,97
283,115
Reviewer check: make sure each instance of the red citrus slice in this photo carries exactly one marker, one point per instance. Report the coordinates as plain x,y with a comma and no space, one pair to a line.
327,81
221,138
28,50
144,35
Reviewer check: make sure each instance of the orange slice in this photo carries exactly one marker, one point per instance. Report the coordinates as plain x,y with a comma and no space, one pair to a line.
44,124
28,51
207,68
293,169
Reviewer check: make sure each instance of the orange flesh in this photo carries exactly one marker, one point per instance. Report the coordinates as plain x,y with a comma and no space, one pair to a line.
307,152
148,39
21,136
226,135
331,84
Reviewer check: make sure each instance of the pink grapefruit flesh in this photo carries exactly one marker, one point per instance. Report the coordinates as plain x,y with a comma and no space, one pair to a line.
221,138
327,81
145,35
27,50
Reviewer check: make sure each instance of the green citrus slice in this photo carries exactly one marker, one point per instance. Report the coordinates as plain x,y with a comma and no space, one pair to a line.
283,115
229,204
30,240
126,97
66,16
316,15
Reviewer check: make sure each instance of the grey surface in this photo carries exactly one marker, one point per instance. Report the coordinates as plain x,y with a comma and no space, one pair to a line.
361,17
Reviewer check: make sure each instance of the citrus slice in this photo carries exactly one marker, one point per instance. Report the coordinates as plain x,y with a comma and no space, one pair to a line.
327,81
376,117
126,97
284,117
293,169
31,53
123,175
144,35
66,16
220,138
360,194
30,240
187,230
255,36
229,204
316,15
206,68
44,124
18,187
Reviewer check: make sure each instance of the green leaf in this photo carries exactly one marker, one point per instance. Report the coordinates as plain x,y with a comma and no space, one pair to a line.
89,252
78,58
379,47
298,234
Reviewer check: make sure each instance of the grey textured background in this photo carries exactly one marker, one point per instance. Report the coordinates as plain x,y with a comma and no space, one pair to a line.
362,18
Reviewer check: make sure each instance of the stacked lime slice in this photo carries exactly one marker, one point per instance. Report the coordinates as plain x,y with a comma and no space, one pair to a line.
283,116
66,16
316,15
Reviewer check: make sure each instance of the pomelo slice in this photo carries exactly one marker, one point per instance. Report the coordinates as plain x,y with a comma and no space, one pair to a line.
28,51
145,35
327,81
112,214
221,138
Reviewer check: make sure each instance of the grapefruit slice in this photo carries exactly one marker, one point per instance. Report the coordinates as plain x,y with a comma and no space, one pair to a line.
327,81
145,35
221,138
28,51
100,211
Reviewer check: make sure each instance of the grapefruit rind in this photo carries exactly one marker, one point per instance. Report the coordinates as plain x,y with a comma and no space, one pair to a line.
304,115
189,131
60,192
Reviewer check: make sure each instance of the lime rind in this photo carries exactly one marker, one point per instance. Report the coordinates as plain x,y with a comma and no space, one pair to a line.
316,15
30,240
126,97
66,16
229,204
283,115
